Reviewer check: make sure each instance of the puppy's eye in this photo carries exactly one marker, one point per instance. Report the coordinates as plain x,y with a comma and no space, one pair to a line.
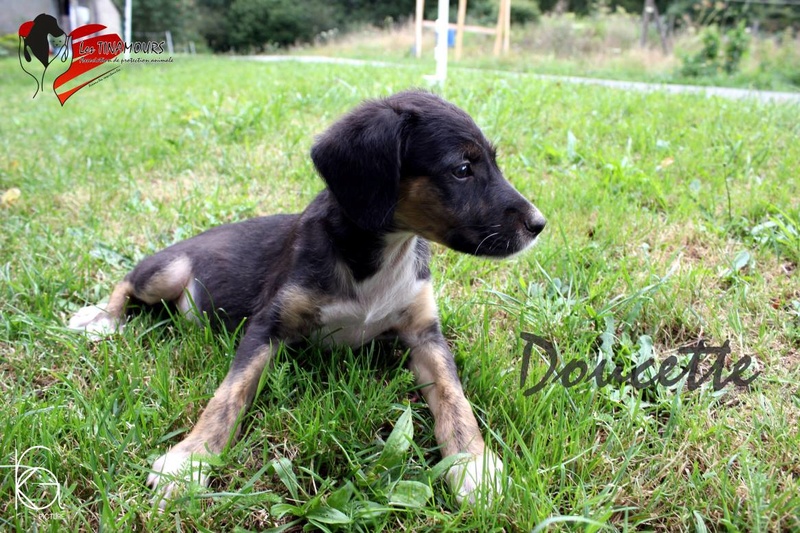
463,171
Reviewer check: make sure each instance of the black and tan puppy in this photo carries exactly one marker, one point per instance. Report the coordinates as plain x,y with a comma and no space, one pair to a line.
351,268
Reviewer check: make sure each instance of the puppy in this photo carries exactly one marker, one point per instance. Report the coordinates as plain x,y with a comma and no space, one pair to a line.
351,268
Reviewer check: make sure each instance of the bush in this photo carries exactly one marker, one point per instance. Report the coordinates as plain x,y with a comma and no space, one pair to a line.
255,25
715,55
736,43
771,16
705,62
780,57
524,11
9,44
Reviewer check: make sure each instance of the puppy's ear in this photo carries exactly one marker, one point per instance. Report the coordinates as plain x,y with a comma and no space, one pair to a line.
359,157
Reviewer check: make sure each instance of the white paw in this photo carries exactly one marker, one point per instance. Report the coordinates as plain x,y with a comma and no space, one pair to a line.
174,471
476,479
95,322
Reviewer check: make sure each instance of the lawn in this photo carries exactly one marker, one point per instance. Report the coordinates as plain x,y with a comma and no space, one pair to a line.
672,219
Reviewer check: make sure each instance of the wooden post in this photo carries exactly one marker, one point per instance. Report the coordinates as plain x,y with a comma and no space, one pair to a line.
441,25
507,28
650,11
498,39
662,31
645,19
462,15
418,28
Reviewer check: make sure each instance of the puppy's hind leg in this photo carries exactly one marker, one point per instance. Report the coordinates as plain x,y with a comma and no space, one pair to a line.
99,322
161,277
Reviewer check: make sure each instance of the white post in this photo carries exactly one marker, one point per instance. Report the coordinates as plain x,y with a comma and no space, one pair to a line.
73,15
442,25
128,11
169,42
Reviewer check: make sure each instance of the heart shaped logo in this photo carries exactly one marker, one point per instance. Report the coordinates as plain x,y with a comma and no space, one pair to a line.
66,63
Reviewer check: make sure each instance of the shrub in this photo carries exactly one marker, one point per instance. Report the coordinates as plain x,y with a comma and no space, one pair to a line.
256,24
705,61
524,11
9,44
780,57
717,52
736,42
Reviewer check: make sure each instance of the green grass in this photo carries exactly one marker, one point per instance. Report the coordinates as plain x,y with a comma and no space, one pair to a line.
671,218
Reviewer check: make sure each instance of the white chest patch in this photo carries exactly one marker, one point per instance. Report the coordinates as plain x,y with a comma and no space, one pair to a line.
378,301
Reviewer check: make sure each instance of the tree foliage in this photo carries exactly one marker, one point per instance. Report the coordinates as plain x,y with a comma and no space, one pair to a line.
257,23
770,17
244,25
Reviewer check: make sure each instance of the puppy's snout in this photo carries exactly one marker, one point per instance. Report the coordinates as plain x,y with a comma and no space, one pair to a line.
533,221
527,220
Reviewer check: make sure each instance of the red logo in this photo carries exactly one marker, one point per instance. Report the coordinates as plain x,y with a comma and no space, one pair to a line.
67,63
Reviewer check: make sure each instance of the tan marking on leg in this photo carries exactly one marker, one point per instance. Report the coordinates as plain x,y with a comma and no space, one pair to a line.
299,312
455,427
218,424
432,363
168,283
119,299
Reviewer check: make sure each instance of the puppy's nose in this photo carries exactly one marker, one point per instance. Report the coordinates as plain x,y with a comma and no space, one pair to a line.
534,222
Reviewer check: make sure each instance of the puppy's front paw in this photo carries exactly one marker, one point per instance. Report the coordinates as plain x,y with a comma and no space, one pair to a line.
95,321
476,479
173,471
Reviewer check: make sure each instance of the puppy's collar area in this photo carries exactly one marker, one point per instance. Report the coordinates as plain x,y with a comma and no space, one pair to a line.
363,252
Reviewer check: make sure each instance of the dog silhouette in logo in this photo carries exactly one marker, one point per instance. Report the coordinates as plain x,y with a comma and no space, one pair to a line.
36,40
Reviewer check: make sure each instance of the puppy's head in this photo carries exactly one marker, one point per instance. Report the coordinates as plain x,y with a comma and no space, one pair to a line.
414,162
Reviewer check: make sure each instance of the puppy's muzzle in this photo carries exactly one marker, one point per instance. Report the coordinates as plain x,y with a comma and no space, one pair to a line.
531,221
